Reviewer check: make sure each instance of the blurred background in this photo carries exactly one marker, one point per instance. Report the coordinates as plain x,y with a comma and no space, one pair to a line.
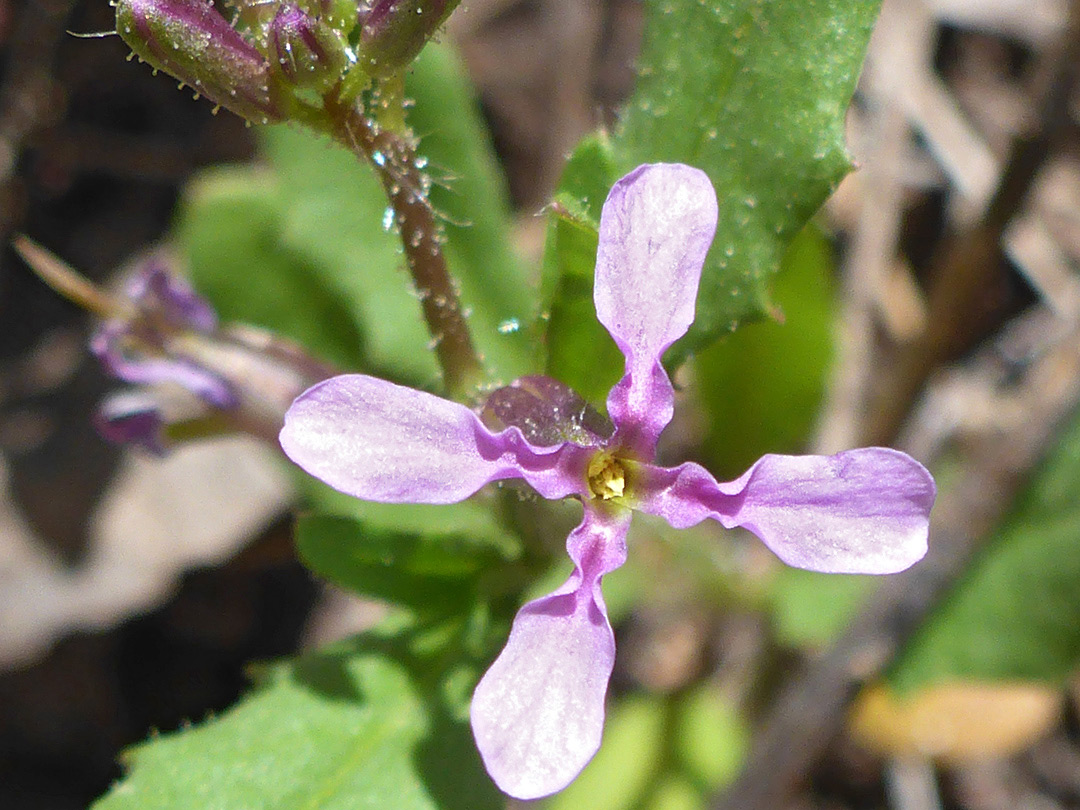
134,591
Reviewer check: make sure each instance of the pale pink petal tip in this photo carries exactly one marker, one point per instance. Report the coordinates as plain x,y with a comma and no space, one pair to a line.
863,511
655,229
538,713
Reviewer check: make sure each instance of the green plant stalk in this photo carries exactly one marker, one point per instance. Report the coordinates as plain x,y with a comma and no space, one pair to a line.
394,159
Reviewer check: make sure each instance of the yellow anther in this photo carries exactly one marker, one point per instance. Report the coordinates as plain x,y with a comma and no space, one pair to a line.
607,478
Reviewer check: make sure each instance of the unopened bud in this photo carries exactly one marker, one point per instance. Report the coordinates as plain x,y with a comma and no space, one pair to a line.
189,40
309,53
392,32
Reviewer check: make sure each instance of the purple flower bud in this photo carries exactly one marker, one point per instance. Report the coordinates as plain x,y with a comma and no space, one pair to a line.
235,379
392,32
189,376
308,52
157,291
153,344
190,41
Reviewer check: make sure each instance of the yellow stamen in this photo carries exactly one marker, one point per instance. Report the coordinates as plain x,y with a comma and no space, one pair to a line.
607,478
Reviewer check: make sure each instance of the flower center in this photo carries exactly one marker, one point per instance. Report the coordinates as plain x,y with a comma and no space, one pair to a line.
606,476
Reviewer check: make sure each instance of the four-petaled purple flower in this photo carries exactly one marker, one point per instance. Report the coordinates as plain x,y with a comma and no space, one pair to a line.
537,714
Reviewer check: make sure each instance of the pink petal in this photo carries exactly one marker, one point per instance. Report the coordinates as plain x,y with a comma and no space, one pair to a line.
655,229
859,512
383,442
538,712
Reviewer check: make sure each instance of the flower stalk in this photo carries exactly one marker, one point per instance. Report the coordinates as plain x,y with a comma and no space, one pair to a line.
289,57
393,157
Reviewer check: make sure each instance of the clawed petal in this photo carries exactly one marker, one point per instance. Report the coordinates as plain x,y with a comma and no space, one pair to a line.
538,712
655,229
859,512
383,442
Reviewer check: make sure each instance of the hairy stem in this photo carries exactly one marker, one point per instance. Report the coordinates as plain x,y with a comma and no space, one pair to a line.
393,156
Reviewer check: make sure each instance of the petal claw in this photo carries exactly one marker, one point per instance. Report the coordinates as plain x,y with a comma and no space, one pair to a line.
538,712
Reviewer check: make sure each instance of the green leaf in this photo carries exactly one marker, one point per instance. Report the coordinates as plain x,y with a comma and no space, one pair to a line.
1016,613
676,793
627,761
416,570
352,727
229,228
761,387
754,93
711,738
472,520
418,555
811,609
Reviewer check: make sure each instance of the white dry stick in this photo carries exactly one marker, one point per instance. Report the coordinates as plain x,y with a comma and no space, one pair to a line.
974,171
1030,244
958,148
900,83
910,784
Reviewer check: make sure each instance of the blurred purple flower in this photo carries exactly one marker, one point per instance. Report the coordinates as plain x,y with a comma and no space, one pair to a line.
192,375
139,349
538,712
